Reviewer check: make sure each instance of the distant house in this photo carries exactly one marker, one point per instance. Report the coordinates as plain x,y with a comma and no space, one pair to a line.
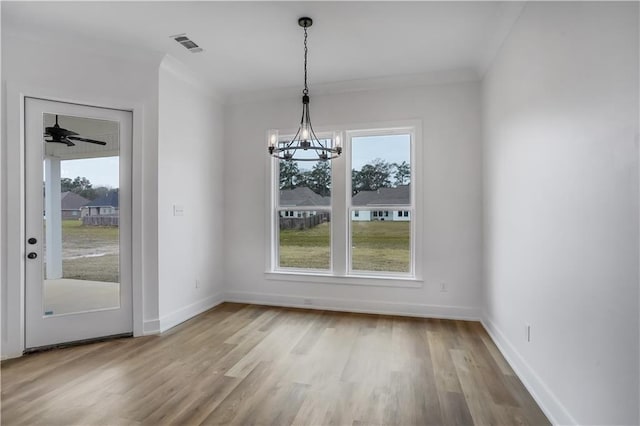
107,205
400,195
301,197
71,204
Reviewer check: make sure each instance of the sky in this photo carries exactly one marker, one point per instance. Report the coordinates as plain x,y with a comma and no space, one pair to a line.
102,171
391,148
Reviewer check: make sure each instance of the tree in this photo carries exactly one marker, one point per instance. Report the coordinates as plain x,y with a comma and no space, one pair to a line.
80,185
402,174
372,176
66,184
319,178
101,191
289,174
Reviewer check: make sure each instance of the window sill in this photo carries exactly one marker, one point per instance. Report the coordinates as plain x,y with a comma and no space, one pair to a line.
359,280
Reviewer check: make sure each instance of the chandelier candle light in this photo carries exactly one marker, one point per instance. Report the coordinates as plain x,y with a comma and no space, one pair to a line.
305,139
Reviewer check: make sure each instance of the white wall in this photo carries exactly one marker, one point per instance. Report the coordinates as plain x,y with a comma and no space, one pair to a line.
73,72
190,177
561,207
450,115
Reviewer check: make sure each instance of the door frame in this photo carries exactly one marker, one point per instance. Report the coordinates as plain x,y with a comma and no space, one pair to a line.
13,304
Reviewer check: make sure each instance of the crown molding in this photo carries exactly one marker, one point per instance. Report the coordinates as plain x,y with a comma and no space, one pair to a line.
370,84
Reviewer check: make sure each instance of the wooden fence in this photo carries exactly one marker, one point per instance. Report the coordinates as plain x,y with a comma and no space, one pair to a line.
111,220
304,222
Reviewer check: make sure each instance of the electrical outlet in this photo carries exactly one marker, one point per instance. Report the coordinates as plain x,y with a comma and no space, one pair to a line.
443,287
308,302
528,332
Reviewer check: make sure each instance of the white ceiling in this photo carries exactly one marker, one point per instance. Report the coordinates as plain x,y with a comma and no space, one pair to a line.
258,45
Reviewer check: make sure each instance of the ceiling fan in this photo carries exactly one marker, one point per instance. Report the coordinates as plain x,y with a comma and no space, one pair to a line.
59,135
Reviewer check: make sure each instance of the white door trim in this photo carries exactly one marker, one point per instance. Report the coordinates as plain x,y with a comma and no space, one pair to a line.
81,324
13,302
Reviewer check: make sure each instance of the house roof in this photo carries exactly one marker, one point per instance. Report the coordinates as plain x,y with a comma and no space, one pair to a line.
72,201
302,196
109,200
383,196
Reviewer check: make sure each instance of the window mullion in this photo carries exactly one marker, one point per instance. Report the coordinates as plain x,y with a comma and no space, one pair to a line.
339,206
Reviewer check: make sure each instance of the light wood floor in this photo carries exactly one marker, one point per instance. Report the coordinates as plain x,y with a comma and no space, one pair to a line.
245,364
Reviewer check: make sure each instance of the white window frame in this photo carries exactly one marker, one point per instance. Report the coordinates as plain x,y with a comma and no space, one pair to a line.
383,210
295,214
340,209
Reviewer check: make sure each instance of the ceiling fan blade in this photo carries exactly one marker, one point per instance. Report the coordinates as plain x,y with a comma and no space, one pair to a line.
59,131
66,132
68,142
77,138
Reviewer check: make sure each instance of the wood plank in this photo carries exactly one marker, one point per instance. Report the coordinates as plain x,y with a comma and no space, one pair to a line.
245,364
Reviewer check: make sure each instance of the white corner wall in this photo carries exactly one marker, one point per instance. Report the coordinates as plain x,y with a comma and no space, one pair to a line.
451,191
561,207
39,66
190,181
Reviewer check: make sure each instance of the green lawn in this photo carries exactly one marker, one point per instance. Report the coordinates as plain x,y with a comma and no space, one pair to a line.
308,248
75,233
90,252
376,246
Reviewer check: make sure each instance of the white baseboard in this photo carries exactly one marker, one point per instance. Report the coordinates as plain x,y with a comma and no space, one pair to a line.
358,306
181,315
150,327
550,405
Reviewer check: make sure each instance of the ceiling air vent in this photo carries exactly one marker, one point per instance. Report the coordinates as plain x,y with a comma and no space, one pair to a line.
187,43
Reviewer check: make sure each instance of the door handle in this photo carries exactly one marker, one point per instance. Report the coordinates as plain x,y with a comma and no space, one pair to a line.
32,255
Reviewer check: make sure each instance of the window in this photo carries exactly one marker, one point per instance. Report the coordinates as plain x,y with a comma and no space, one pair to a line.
374,208
304,234
381,176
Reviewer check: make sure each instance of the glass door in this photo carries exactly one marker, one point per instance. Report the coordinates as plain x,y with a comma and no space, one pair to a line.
78,222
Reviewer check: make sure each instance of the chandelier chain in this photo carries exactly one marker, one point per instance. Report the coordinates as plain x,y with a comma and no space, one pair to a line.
306,88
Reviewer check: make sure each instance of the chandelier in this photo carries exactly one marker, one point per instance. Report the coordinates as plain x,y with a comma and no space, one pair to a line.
305,140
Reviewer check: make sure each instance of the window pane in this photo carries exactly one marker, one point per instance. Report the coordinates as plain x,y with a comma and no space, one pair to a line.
305,239
380,242
381,170
81,217
305,183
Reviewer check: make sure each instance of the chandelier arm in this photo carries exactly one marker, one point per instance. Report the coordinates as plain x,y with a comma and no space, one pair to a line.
318,139
293,153
311,131
304,108
295,137
287,145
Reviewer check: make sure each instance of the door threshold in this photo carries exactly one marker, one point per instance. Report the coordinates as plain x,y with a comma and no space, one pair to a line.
76,343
